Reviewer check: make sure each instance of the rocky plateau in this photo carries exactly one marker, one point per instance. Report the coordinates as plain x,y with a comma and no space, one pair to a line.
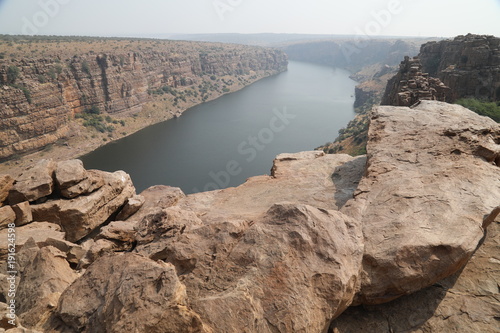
404,239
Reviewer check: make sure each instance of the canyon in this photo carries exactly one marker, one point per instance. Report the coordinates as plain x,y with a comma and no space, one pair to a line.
47,84
403,238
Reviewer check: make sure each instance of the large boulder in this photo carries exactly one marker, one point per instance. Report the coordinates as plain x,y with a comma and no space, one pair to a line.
34,183
464,302
41,284
292,269
432,176
80,216
127,293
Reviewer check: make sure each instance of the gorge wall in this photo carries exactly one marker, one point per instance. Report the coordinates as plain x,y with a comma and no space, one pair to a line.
45,83
469,65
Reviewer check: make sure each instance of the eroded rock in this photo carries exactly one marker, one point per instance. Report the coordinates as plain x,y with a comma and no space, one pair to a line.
7,216
420,204
128,293
69,173
41,285
34,183
23,213
39,231
133,204
80,216
94,180
6,183
256,269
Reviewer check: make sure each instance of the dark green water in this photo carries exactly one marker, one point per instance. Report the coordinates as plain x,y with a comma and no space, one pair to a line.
223,142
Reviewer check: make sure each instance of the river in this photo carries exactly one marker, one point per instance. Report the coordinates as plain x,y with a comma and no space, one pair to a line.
223,142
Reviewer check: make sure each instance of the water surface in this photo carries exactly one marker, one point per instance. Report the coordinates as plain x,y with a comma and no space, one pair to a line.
223,142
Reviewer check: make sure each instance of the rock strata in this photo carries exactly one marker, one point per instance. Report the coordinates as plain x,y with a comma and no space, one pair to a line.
469,65
410,85
38,106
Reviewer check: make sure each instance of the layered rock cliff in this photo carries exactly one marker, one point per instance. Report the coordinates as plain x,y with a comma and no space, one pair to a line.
469,65
288,252
410,85
41,92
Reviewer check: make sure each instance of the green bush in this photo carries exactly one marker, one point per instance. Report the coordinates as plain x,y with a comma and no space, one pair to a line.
12,74
489,109
85,67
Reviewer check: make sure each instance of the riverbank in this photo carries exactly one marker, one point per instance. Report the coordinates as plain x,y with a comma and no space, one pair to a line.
83,140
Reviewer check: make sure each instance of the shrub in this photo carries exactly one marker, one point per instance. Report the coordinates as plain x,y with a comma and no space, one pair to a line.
489,109
12,74
85,67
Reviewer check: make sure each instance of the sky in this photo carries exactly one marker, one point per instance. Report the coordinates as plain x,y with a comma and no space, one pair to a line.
425,18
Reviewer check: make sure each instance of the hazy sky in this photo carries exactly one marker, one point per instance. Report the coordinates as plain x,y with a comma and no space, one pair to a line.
147,17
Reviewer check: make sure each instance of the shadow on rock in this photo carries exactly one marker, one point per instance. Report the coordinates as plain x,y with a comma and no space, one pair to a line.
346,178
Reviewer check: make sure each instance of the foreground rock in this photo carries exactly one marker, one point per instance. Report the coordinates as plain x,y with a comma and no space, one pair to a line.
256,269
78,217
35,183
467,301
42,282
129,293
288,252
432,176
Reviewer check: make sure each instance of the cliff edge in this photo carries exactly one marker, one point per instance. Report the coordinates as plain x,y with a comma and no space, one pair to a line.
323,237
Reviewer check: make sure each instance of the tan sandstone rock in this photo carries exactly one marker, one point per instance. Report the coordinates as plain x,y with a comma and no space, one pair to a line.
431,178
39,231
133,204
23,213
80,216
292,269
34,183
41,285
464,302
94,180
7,216
6,183
127,293
69,173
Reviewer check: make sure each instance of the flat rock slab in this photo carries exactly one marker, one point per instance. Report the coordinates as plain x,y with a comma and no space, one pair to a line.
302,178
432,175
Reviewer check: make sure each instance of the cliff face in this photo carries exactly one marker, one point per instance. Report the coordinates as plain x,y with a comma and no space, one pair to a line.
351,54
39,97
469,65
411,85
